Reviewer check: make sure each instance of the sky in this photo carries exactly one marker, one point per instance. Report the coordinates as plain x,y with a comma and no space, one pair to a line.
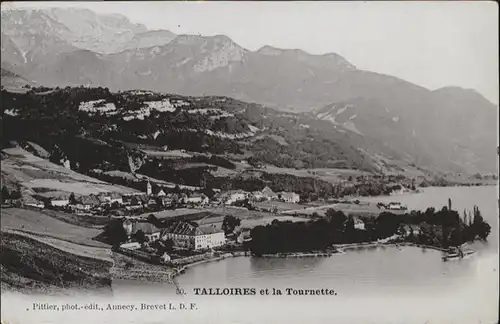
432,44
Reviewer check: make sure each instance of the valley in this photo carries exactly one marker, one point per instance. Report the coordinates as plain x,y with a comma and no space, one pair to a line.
129,153
381,118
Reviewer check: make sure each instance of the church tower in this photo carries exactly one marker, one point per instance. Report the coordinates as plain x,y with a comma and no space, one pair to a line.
149,189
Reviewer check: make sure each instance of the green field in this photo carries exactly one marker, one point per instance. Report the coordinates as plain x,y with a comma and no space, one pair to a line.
37,222
36,175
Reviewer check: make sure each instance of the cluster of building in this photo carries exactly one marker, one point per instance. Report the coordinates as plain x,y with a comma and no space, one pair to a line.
184,235
266,194
392,206
83,202
155,197
95,202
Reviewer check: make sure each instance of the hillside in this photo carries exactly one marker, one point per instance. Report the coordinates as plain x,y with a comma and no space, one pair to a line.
97,129
188,140
36,177
30,265
390,120
13,82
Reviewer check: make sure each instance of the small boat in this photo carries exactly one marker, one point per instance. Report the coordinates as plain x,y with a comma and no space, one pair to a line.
456,254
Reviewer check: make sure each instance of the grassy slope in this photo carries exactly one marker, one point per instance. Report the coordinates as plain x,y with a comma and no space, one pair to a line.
39,175
39,222
28,264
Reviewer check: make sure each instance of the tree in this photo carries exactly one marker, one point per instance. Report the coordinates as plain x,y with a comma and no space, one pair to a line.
479,226
153,220
5,193
483,230
478,218
15,194
336,218
115,233
207,191
169,245
349,224
387,224
140,236
72,199
229,224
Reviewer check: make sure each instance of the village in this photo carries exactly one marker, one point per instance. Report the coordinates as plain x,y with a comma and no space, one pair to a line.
178,227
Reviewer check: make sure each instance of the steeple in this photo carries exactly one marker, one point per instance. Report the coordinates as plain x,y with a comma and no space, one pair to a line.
149,189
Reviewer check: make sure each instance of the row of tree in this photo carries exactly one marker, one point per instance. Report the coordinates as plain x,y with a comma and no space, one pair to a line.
441,228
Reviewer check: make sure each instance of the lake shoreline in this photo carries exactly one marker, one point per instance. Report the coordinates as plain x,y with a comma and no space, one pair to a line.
341,249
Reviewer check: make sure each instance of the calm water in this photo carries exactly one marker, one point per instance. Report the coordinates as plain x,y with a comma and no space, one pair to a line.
390,282
378,285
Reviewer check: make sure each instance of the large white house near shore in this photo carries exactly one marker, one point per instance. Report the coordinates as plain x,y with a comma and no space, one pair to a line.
187,236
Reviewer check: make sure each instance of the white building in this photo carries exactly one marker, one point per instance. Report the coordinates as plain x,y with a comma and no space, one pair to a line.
130,246
116,198
165,257
32,202
359,224
197,199
268,194
187,236
234,196
244,235
59,201
85,202
257,195
289,197
395,206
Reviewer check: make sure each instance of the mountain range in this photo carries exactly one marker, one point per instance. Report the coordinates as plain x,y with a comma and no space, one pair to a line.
449,129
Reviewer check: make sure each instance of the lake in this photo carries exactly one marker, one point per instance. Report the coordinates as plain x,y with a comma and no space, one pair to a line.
376,285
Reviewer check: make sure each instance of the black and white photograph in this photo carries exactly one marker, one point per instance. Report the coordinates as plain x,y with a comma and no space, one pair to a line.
249,162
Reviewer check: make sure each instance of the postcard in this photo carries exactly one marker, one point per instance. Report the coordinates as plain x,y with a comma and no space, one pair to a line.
249,162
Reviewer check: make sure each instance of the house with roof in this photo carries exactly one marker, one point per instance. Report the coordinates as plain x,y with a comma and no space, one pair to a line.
409,230
138,200
59,201
197,199
151,232
32,202
244,235
257,195
395,206
187,236
358,223
115,197
170,200
232,196
165,258
182,198
268,194
86,202
103,198
158,192
289,197
110,198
